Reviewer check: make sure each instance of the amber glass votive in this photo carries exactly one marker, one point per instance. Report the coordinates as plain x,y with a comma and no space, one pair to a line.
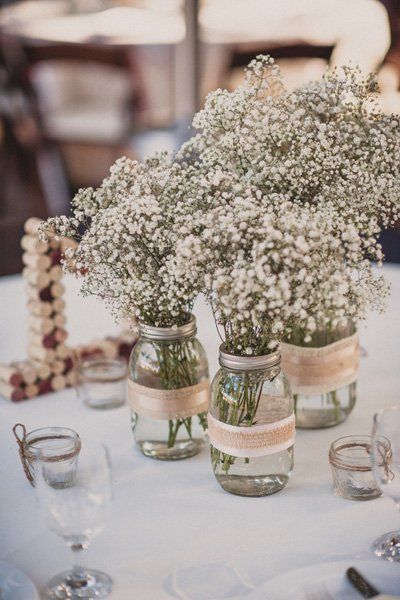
350,459
102,382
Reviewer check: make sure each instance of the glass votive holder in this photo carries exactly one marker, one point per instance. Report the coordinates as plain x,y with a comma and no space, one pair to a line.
53,449
350,459
102,382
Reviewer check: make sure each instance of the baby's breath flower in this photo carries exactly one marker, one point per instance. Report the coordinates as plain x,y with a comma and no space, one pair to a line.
273,210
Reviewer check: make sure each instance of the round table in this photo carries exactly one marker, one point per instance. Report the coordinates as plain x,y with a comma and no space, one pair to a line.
171,519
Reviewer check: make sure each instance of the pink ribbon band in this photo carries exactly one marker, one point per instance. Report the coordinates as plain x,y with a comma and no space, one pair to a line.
254,441
180,403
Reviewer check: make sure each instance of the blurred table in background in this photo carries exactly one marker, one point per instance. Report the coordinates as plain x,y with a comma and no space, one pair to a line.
57,22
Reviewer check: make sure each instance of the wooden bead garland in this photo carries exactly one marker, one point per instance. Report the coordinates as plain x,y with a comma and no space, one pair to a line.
51,363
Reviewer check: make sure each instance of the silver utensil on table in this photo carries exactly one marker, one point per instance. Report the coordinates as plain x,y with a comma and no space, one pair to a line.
366,589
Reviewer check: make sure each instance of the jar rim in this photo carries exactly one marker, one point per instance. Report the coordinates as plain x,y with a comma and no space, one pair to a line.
340,447
175,332
340,457
105,363
65,434
236,362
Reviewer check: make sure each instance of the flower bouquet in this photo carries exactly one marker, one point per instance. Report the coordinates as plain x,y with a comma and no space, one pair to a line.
324,145
127,232
269,268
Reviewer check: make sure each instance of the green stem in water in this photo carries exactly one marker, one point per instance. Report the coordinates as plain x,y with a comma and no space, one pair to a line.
178,366
237,402
336,403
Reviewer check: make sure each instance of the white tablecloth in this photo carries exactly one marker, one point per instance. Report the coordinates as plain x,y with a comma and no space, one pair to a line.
173,516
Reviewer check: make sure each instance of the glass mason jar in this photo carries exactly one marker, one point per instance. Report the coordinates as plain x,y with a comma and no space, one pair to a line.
168,391
323,376
251,424
350,460
55,448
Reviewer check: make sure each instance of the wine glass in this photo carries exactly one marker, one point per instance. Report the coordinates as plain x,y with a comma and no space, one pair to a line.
77,513
386,470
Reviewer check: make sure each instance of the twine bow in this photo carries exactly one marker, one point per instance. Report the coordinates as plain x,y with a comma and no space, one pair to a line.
386,455
23,453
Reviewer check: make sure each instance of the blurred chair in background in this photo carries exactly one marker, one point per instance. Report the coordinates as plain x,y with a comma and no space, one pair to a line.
338,31
86,98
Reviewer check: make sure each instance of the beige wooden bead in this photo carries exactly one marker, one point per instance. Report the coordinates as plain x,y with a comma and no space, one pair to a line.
56,273
41,262
57,290
40,309
58,305
11,393
31,391
31,225
33,292
39,279
62,351
32,244
42,325
58,382
27,371
58,366
10,375
38,339
36,352
43,370
59,320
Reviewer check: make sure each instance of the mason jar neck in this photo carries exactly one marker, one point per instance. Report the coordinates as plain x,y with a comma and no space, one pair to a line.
235,362
165,334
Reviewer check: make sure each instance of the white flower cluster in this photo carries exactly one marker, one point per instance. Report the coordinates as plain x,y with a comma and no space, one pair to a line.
269,269
130,226
272,210
323,144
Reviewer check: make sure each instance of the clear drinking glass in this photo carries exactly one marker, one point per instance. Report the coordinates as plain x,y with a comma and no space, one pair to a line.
386,470
251,394
77,513
102,382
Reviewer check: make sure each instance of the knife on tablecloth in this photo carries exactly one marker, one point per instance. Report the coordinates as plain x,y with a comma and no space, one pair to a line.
364,587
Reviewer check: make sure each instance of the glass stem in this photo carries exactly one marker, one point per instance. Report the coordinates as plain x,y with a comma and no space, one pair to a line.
79,575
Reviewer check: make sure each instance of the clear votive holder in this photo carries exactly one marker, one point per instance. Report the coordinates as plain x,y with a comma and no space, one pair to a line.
55,450
102,382
350,459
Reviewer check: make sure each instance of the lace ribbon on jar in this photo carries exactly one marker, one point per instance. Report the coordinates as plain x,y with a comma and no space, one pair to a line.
314,371
253,441
180,403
